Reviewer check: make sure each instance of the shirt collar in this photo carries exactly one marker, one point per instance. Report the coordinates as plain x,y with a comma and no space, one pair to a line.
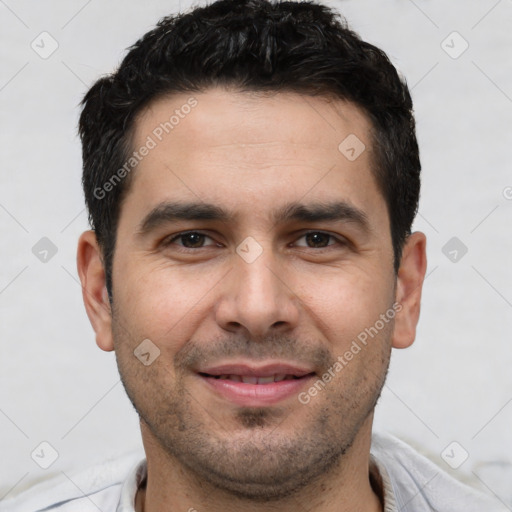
129,489
379,477
381,482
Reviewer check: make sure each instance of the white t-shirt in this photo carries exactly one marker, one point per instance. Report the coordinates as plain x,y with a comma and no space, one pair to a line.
409,483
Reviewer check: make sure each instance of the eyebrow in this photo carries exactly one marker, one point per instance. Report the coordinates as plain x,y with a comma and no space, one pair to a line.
332,211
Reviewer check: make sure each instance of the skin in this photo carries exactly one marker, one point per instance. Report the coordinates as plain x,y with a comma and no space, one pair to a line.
303,300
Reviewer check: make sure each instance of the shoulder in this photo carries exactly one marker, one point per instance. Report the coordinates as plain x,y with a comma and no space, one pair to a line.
93,489
418,484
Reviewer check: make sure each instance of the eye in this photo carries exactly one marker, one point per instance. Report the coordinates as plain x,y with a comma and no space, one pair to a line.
190,240
318,240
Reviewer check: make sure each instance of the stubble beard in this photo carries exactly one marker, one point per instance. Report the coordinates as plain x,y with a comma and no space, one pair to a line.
255,458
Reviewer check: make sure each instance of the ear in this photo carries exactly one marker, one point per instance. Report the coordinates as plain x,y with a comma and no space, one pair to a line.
411,275
94,291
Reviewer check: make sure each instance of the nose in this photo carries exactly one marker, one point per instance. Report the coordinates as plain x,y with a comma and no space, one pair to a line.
257,297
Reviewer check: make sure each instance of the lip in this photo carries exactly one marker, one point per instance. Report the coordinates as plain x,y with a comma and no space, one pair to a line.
261,370
256,395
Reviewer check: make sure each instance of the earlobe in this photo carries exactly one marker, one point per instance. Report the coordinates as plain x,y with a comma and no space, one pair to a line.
92,276
411,275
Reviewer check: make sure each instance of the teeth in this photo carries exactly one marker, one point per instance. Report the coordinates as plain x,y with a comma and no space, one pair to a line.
267,380
249,379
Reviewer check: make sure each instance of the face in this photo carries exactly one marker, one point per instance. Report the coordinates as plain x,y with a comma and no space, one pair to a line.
253,254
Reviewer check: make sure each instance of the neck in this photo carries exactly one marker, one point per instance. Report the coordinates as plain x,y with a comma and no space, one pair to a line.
171,487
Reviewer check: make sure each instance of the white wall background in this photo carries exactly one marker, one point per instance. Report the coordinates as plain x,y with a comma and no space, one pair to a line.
454,384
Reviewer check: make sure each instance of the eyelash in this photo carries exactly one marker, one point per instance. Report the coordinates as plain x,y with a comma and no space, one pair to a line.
171,240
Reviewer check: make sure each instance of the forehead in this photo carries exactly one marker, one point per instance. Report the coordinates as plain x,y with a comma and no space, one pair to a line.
252,150
220,116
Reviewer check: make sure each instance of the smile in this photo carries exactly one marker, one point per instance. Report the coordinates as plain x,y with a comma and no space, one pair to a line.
251,386
251,379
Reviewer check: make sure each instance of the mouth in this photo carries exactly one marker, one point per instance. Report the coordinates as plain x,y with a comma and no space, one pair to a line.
256,386
252,379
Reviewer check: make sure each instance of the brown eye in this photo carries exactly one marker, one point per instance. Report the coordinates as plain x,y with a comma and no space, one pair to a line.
317,240
189,240
192,240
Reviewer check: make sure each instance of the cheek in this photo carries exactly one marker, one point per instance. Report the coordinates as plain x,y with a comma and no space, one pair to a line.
168,303
358,337
162,302
345,303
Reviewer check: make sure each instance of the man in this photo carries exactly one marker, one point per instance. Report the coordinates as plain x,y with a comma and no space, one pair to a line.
252,173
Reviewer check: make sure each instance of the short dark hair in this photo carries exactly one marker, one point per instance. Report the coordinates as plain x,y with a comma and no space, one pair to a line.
250,45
